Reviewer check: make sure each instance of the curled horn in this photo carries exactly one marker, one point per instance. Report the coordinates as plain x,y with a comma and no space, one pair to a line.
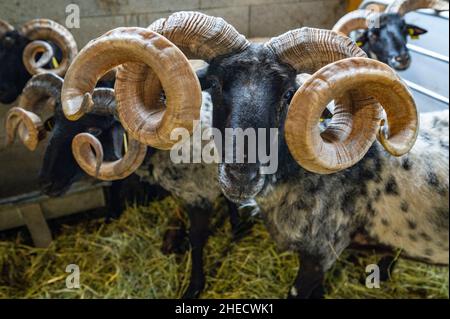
353,82
30,52
307,49
5,27
153,61
104,102
88,150
402,7
27,125
355,20
23,120
43,29
360,19
354,126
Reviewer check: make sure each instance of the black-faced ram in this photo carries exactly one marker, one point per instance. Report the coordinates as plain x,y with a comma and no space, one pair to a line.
386,34
333,184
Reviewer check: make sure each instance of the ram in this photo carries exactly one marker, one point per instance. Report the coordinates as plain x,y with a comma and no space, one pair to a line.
93,145
29,51
331,184
386,34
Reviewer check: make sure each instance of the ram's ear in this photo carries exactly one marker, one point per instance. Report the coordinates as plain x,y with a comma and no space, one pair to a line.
414,31
362,39
201,74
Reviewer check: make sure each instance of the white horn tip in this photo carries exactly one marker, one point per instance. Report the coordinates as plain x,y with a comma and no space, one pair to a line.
77,106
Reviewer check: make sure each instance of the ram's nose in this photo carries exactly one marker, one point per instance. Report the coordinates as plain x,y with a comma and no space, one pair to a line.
242,172
240,182
401,62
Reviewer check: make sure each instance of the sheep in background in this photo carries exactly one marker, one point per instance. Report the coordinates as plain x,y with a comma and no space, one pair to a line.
386,34
50,42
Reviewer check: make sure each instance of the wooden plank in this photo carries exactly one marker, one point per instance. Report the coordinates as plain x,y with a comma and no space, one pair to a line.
81,197
34,219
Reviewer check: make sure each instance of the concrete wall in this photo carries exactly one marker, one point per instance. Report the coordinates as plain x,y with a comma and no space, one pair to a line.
254,18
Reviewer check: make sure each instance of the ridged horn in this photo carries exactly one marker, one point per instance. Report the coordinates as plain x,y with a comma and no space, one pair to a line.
88,150
307,49
44,29
24,120
40,87
5,27
199,37
27,125
402,7
29,56
355,20
152,63
355,123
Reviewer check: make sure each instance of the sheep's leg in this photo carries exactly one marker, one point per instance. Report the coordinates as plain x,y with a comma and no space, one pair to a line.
386,265
233,212
198,235
175,241
115,199
240,226
309,281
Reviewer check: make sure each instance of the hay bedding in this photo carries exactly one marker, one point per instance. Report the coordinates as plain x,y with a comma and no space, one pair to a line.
123,260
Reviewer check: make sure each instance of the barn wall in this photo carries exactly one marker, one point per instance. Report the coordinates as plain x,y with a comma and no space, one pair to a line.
254,18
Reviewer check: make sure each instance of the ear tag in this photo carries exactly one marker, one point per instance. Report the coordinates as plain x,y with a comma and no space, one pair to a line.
125,143
55,63
412,34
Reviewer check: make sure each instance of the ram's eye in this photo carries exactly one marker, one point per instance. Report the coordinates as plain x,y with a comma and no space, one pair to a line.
8,42
94,131
288,95
214,83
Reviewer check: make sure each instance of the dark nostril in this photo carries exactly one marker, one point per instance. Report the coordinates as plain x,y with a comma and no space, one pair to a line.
253,175
402,58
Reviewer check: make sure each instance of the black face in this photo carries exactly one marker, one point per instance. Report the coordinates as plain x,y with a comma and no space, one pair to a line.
248,90
60,170
13,75
388,42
